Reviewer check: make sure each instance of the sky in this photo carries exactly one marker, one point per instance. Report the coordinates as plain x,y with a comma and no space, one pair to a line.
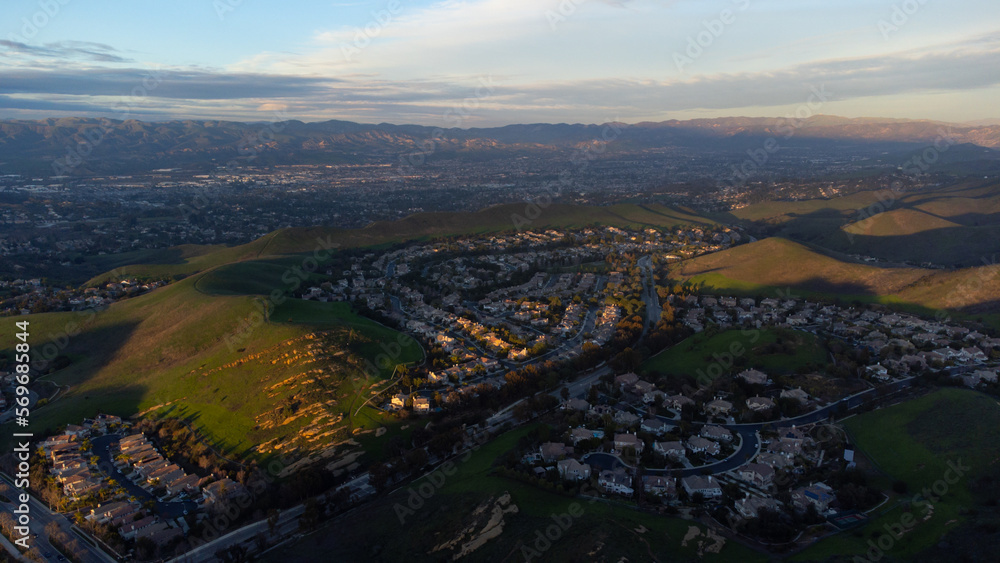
476,63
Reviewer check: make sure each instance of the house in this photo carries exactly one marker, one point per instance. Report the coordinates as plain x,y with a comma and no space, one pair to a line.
422,404
818,494
654,425
578,434
625,418
659,486
757,474
623,441
576,405
774,460
573,470
617,481
753,377
878,371
552,451
399,400
718,407
697,444
749,507
129,530
677,402
674,450
626,380
222,490
713,432
797,395
760,404
643,387
707,486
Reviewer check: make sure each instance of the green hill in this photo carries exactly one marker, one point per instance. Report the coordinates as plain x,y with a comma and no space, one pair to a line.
773,264
916,442
955,225
223,362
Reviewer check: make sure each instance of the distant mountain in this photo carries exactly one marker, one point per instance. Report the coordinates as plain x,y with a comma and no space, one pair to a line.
83,145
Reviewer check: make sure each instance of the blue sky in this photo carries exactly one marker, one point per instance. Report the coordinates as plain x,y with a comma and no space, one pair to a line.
490,62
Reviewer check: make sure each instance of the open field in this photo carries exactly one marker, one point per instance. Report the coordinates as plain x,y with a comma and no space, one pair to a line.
603,532
917,442
803,351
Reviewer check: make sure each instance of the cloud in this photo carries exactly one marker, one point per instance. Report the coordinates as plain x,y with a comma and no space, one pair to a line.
65,50
509,98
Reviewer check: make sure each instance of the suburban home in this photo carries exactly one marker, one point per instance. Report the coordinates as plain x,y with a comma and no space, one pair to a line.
643,387
760,404
749,507
617,481
129,531
678,402
573,470
223,489
707,486
626,380
659,486
625,418
758,474
654,425
578,434
718,407
623,441
576,405
421,404
552,451
818,494
399,400
796,395
674,450
774,460
697,444
878,371
713,432
753,377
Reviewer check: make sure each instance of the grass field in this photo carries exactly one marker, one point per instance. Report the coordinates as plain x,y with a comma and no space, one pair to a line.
602,532
953,226
698,351
218,361
914,442
774,265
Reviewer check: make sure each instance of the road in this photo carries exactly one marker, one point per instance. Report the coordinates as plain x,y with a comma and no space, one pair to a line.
41,516
649,296
288,524
166,510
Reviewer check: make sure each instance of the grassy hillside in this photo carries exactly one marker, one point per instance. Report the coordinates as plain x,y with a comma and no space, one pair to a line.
770,265
914,442
219,361
899,222
190,259
604,532
951,226
797,350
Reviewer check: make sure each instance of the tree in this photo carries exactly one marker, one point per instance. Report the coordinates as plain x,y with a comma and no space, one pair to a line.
564,393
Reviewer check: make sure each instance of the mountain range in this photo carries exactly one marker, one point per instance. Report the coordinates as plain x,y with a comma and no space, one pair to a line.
105,145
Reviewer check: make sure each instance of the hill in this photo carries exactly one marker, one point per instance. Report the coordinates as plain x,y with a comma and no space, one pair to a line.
916,443
246,381
954,225
32,146
467,504
899,222
190,259
774,264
